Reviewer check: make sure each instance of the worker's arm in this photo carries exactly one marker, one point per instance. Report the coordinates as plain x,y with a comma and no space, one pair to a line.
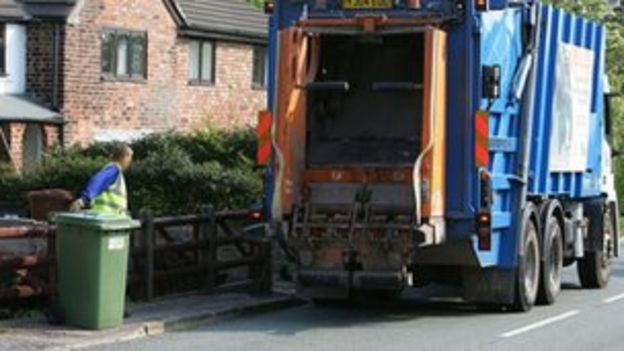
99,182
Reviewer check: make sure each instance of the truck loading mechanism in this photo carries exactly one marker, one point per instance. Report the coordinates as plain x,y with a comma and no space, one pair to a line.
414,143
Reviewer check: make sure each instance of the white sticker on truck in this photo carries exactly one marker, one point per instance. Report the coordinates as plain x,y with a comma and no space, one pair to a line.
116,243
571,109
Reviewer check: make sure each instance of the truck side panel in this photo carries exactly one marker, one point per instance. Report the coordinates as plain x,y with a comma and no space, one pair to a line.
558,29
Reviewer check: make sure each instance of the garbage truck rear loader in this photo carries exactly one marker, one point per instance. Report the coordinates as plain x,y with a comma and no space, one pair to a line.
457,141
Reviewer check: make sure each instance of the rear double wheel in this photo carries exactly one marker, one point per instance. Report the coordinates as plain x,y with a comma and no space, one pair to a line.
528,269
552,261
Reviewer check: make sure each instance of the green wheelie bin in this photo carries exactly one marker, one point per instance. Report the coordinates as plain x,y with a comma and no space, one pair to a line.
92,251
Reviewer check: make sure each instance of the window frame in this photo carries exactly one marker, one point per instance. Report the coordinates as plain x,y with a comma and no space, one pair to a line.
130,35
213,70
254,84
3,44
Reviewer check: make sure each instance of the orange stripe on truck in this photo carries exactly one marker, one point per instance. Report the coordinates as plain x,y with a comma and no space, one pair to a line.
264,137
482,145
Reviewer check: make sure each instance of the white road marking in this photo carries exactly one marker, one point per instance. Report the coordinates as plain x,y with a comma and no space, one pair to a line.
613,298
540,324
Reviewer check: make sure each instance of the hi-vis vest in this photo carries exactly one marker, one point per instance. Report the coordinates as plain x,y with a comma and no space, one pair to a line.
113,200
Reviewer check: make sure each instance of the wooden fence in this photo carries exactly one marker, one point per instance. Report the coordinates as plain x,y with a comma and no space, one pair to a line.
211,251
218,244
27,275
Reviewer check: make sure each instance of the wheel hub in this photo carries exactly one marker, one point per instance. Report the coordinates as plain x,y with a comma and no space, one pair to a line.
531,273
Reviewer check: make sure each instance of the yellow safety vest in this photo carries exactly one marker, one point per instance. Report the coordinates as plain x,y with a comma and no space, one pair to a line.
113,200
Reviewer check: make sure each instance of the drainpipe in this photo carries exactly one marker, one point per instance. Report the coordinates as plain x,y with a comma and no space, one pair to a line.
55,68
55,78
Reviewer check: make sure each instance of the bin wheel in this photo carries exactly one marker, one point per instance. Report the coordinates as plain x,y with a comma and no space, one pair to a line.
55,315
528,269
552,262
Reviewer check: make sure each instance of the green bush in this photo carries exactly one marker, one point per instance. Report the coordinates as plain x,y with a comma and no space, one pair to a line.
619,180
172,173
231,148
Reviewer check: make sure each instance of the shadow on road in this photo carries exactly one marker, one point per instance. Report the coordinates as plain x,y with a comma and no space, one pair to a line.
435,304
352,314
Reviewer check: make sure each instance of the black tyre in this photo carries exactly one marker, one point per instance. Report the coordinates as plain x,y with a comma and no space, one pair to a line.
490,307
328,303
528,270
552,262
594,269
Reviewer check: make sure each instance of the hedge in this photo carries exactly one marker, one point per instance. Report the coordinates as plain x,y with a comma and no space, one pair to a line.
172,173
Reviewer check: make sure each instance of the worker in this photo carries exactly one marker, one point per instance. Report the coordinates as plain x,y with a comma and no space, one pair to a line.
105,193
106,190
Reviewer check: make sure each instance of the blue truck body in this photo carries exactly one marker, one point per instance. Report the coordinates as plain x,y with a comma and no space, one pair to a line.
529,49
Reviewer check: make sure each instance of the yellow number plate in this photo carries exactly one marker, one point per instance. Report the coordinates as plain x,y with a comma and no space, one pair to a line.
367,4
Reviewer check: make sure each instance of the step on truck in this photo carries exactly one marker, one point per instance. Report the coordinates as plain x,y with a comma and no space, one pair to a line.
410,142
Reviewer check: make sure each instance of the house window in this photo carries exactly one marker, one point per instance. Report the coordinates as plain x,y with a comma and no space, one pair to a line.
2,49
124,55
202,62
260,67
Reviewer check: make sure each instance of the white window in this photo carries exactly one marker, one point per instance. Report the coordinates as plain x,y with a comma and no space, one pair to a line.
124,55
202,62
260,67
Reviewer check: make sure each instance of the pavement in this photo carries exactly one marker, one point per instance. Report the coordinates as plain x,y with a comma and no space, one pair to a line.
148,319
580,320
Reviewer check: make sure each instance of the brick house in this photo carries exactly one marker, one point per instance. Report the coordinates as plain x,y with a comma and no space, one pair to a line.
120,69
27,126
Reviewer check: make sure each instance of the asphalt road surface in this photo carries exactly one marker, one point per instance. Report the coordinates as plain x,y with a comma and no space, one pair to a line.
585,320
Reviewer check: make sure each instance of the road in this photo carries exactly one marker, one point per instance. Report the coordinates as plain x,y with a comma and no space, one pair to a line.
580,320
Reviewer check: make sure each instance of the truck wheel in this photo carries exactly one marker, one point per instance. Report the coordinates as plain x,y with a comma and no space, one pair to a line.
552,262
595,268
328,303
528,270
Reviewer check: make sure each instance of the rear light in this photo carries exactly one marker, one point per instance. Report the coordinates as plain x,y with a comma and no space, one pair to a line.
269,6
482,5
484,231
263,156
484,218
485,182
413,4
256,216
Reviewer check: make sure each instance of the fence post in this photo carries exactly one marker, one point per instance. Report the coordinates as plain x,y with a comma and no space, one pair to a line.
267,271
147,231
212,258
204,235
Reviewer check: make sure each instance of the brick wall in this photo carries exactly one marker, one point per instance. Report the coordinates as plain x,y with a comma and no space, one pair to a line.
165,101
16,135
231,101
40,69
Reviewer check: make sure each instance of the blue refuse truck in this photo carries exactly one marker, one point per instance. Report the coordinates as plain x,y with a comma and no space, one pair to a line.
465,142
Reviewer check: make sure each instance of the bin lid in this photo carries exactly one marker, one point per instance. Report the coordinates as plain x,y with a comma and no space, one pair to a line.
97,220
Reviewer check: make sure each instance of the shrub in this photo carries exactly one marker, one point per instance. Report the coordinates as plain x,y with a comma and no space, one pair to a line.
173,181
172,173
619,179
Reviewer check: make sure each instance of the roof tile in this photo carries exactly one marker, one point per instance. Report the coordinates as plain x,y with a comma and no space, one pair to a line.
11,10
236,17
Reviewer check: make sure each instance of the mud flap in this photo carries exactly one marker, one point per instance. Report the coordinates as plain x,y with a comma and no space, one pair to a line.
490,286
